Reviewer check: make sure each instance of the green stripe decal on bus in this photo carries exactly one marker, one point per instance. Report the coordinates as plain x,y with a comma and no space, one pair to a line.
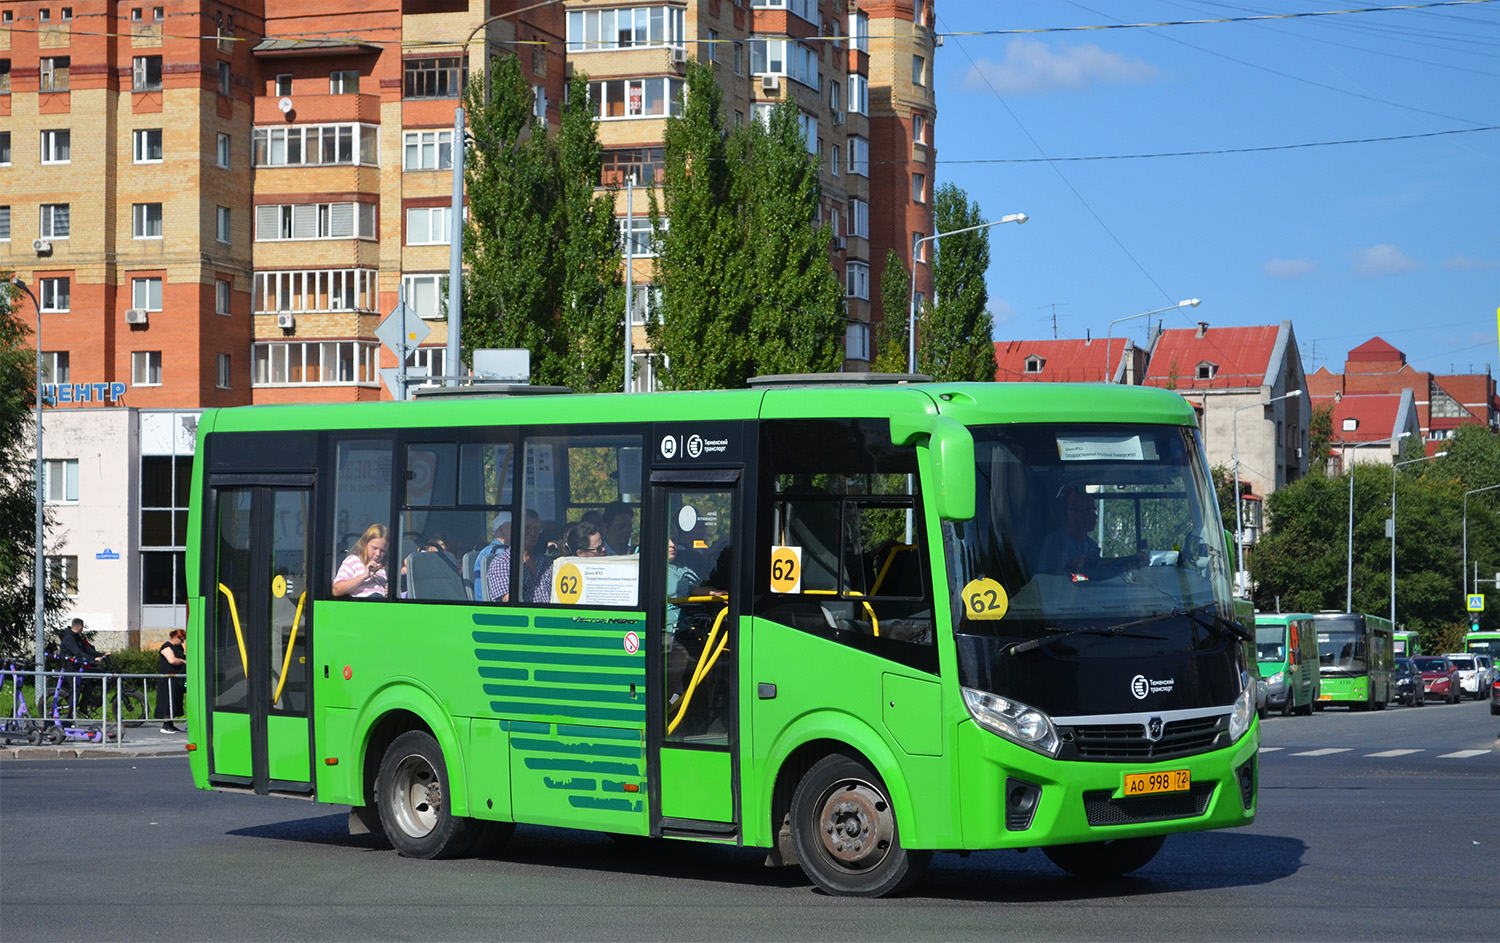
589,624
598,733
576,784
560,694
618,805
582,766
525,726
619,660
485,619
590,677
597,749
557,641
504,674
572,710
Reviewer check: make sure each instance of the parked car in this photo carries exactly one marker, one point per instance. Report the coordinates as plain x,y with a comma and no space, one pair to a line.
1439,677
1469,674
1408,683
1495,694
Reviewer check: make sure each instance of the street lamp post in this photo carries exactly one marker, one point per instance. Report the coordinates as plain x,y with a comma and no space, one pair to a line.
1464,574
916,250
39,577
1395,465
1109,367
1234,433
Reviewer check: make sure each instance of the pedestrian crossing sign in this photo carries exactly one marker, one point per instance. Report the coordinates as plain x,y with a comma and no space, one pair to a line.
1476,602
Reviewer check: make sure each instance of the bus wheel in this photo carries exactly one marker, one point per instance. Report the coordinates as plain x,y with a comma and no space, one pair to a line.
1105,859
412,795
844,830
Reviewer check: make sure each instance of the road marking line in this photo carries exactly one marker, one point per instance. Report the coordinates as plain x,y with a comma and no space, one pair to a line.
1271,749
1462,754
1326,751
1393,753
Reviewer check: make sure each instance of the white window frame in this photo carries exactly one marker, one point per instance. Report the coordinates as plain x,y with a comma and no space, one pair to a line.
919,188
224,150
222,221
836,164
62,574
56,366
142,218
5,223
857,341
142,139
641,240
145,368
146,292
223,368
859,156
789,58
56,294
280,222
140,73
316,290
339,84
429,362
57,146
919,71
857,280
273,362
417,292
656,26
60,480
223,296
859,95
56,221
670,98
282,84
918,127
859,31
429,225
306,145
432,150
859,218
806,9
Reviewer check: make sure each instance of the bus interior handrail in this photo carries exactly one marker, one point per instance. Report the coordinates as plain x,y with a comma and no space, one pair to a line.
705,665
234,614
291,643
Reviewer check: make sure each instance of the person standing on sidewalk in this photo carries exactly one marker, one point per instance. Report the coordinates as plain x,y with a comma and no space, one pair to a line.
171,660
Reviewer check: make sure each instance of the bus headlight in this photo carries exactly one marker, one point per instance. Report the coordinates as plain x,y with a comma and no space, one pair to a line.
1244,712
1016,722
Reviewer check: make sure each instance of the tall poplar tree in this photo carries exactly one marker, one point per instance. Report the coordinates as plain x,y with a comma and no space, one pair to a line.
895,301
954,337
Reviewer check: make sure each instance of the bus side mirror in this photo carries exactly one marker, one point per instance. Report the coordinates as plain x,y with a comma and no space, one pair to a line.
951,448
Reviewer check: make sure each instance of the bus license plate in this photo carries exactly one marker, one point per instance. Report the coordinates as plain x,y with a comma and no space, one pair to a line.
1144,784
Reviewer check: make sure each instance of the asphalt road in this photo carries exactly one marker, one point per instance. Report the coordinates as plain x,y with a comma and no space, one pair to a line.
1366,842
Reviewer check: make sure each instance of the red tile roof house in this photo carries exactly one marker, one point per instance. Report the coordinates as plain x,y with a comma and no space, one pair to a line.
1070,361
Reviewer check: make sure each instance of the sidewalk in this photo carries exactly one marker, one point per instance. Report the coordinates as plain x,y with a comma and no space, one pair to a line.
145,740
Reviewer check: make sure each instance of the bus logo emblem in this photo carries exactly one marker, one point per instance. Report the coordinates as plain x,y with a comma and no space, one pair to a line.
1139,687
668,446
694,446
1153,729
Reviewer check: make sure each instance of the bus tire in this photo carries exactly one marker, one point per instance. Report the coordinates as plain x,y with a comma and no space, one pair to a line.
844,830
411,792
1105,859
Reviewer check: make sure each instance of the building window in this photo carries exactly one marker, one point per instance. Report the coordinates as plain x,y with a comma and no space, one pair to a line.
55,366
785,57
55,294
62,575
315,290
222,292
1207,370
145,368
145,293
325,363
636,98
807,9
837,163
739,58
343,82
918,247
221,223
166,484
284,84
4,148
428,225
919,128
859,31
298,145
4,224
223,151
426,362
919,188
712,52
859,218
628,28
224,79
439,77
859,157
919,12
54,73
646,304
56,221
636,235
859,95
918,70
60,480
427,295
145,221
221,374
146,74
428,150
1034,364
858,276
135,15
57,147
857,341
646,165
158,14
147,145
314,221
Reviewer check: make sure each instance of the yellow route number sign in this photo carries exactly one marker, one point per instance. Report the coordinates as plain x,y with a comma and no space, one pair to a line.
786,569
985,599
568,584
278,587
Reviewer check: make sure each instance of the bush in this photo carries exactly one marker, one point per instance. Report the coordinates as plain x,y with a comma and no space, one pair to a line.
133,662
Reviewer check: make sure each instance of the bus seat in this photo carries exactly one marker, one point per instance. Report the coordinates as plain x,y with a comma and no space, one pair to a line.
467,571
433,574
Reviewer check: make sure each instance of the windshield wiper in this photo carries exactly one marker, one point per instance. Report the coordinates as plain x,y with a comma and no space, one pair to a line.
1218,623
1114,630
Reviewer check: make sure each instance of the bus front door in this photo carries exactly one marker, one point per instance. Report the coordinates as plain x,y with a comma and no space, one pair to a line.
695,724
259,733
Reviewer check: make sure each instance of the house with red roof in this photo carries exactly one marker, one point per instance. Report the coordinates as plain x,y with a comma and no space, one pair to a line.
1113,360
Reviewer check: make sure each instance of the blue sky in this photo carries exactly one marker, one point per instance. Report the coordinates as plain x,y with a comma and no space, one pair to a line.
1396,238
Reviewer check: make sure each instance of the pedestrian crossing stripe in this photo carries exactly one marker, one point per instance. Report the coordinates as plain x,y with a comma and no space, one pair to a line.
1462,754
1326,751
1271,749
1393,753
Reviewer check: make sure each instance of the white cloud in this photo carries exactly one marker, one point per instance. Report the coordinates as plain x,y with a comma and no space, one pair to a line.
1384,259
1031,67
1290,268
1464,263
1001,312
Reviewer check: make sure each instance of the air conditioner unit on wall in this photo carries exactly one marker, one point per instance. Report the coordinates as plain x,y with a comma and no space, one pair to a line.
679,55
135,316
41,246
838,117
770,83
286,321
843,242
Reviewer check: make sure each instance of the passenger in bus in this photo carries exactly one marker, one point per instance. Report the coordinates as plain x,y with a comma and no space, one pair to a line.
497,576
618,522
580,540
500,536
1071,548
362,574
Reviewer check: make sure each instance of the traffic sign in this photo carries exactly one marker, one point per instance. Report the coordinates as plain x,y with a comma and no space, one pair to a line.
1476,602
390,330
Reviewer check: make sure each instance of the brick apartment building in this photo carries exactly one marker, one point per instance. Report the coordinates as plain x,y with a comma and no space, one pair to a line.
214,204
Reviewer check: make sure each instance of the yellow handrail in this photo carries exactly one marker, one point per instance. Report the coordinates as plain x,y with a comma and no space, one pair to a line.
869,610
291,643
705,664
234,613
889,559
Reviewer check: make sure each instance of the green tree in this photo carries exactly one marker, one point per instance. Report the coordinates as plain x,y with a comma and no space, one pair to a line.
1320,438
700,263
954,336
895,302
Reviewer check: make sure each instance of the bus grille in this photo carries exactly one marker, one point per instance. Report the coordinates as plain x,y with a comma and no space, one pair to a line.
1128,741
1101,809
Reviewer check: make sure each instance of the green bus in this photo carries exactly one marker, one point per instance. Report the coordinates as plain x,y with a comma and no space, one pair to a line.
1483,643
1286,649
1406,643
853,624
1355,658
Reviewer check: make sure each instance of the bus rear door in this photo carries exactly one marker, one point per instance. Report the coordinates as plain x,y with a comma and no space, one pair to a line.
259,732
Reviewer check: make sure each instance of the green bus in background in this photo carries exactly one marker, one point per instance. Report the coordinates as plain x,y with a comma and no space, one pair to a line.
853,624
1355,658
1483,643
1286,648
1406,643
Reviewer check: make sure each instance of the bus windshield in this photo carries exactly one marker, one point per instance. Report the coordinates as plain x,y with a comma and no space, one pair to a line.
1341,647
1103,540
1270,643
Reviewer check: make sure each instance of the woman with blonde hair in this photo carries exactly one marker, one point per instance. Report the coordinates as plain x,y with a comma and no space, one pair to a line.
362,573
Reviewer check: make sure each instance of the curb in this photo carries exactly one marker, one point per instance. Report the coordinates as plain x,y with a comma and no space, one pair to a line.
95,752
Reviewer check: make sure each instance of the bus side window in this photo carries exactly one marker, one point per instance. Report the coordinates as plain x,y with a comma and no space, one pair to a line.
363,489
